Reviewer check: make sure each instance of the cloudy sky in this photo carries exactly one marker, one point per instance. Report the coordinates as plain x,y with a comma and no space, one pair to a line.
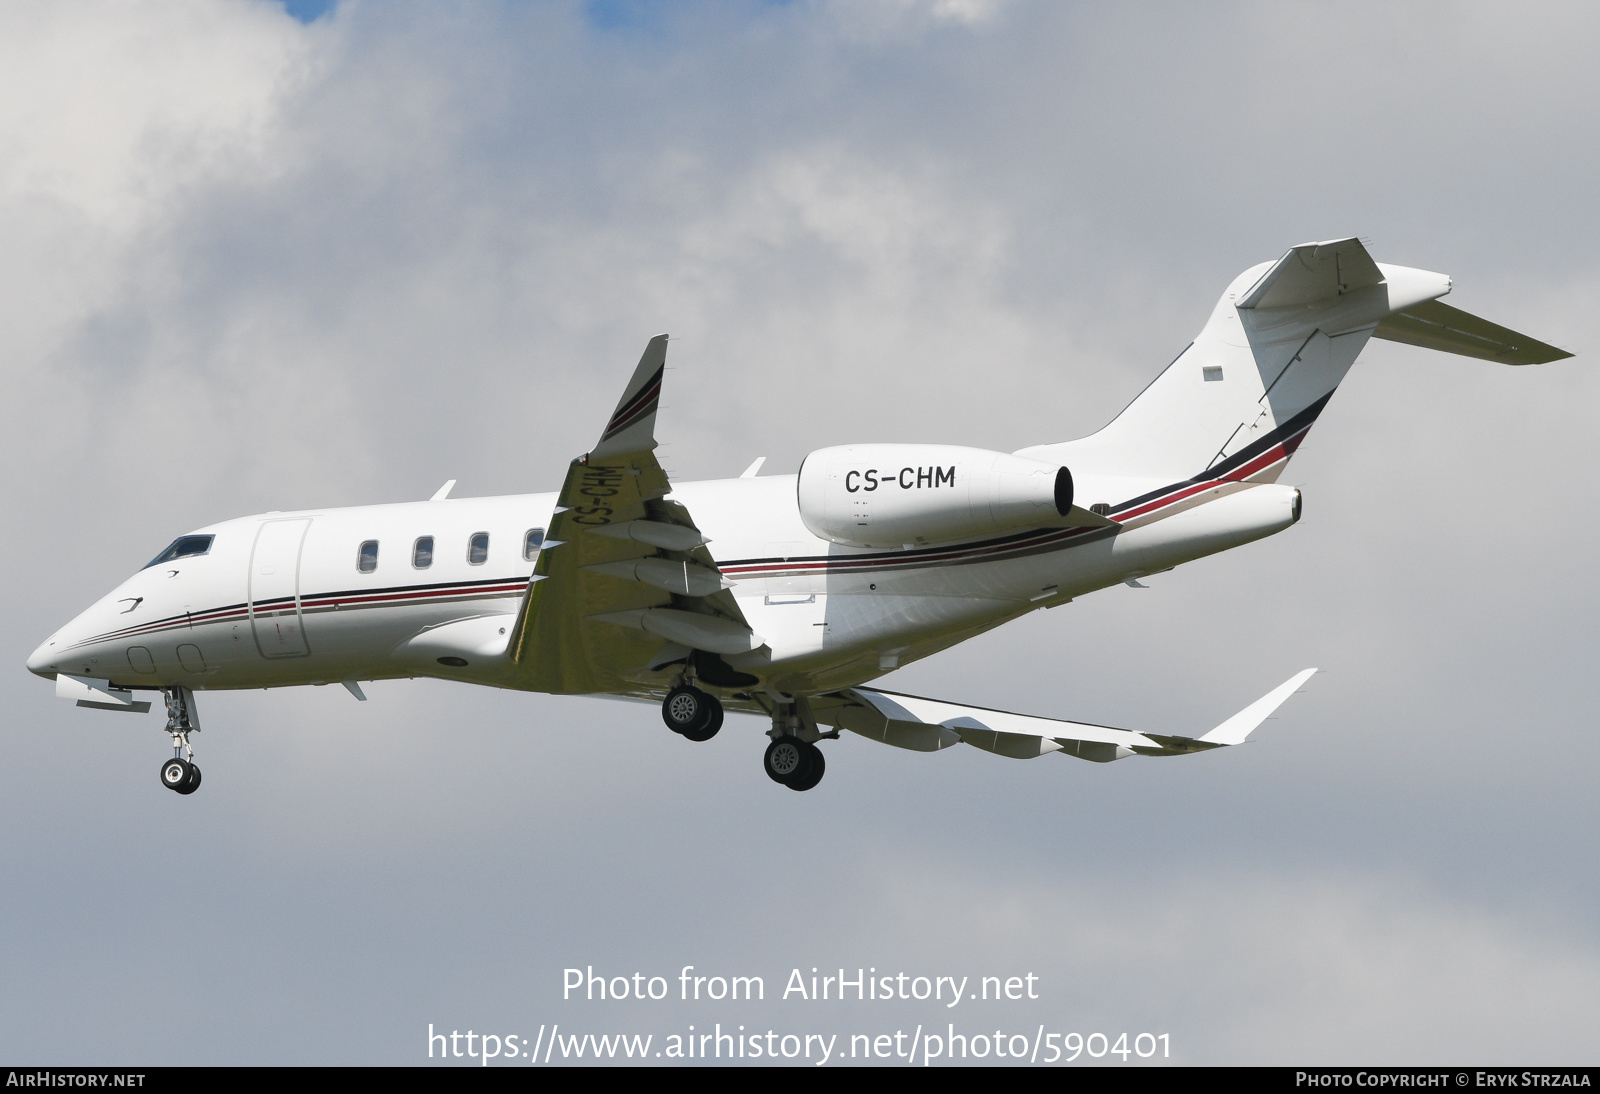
255,257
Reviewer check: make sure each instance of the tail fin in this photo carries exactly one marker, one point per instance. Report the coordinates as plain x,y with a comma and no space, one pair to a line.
1239,400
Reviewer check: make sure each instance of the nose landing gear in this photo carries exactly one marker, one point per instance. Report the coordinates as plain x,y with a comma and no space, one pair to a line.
181,773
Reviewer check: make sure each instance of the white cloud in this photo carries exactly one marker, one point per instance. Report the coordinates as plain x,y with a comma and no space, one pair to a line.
882,21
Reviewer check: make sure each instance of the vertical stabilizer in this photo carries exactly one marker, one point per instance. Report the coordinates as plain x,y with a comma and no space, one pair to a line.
1237,403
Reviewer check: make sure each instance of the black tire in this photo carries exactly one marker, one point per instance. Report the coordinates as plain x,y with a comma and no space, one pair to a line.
175,774
709,730
811,773
786,759
194,780
686,709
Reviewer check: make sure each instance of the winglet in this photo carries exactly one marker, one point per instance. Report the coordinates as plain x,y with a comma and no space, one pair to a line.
1241,725
633,426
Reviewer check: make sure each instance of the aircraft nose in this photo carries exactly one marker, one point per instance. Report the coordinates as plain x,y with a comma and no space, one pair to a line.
42,661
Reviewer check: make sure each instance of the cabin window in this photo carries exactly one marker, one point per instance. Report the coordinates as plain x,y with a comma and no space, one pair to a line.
183,547
478,549
367,557
422,552
531,543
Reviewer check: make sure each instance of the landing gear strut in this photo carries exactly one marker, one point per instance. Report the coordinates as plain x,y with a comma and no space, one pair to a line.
181,773
695,714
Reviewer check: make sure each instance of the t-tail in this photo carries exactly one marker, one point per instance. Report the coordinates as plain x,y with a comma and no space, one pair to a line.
1241,398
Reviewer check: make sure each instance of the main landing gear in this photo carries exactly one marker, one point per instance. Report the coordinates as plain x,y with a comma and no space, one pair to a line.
793,758
181,773
795,763
691,712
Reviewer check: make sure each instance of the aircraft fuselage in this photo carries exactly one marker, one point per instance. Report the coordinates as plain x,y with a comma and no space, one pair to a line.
328,595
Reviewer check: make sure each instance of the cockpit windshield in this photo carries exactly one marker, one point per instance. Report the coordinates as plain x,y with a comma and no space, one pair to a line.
183,547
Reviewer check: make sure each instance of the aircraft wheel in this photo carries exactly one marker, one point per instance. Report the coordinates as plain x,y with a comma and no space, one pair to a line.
709,730
811,772
785,759
175,775
194,780
687,709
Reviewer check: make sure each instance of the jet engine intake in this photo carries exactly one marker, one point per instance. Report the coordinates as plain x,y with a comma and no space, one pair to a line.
897,495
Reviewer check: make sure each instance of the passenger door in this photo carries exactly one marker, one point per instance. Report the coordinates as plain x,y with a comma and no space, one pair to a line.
275,588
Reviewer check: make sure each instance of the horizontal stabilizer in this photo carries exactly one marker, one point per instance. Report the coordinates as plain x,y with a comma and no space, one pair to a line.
1433,325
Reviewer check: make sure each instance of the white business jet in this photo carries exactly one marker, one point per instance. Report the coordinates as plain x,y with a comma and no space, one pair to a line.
779,596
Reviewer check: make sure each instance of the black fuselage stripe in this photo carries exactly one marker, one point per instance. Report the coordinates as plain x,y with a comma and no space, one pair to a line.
438,592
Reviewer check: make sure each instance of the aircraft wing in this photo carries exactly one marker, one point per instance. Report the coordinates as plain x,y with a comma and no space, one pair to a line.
928,725
624,582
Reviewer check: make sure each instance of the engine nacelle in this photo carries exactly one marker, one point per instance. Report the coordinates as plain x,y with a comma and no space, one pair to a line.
894,495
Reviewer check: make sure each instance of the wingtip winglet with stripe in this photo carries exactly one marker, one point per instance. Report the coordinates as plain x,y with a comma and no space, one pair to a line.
633,424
